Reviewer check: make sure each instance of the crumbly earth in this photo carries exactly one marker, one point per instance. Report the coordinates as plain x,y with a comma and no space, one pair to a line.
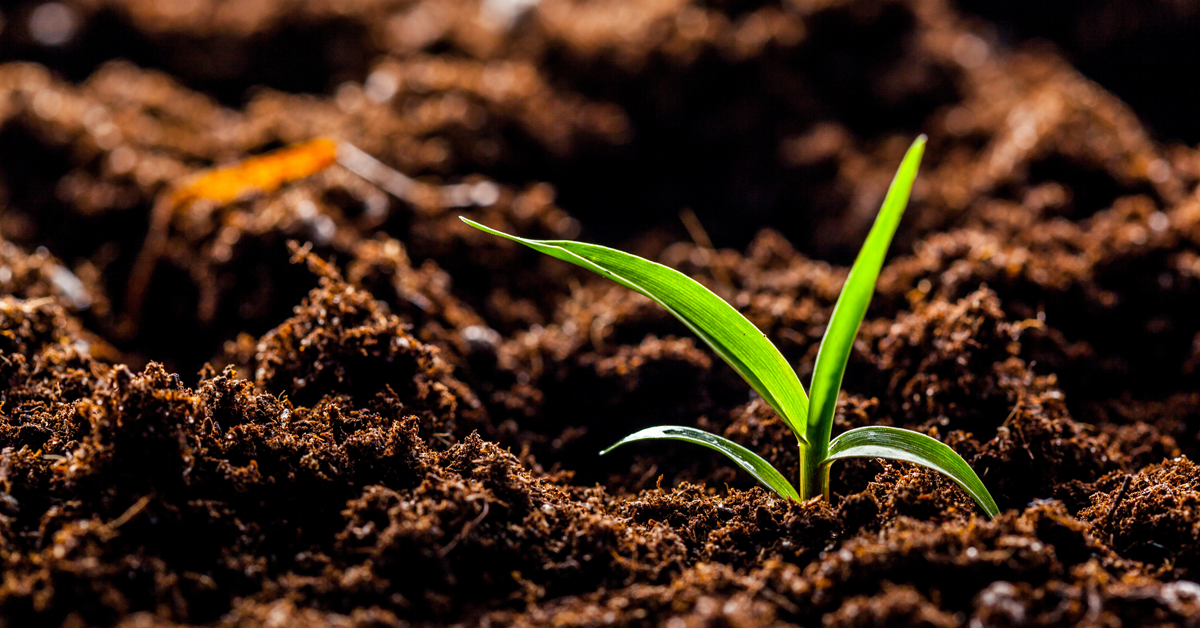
324,405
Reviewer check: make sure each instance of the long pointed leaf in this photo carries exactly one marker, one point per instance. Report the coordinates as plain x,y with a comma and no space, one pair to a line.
894,443
856,296
746,459
723,328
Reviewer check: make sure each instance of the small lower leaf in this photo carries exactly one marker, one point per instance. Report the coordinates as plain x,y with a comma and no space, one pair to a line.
894,443
746,459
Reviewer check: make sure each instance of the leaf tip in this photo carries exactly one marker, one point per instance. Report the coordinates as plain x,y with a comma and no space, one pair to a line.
918,146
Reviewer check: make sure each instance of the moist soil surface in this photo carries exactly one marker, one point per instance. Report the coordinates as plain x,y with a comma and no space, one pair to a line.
312,402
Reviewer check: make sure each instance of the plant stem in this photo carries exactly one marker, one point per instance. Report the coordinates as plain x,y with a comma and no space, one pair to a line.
813,479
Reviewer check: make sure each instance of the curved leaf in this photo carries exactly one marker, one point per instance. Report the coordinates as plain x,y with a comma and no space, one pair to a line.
723,328
894,443
854,299
746,459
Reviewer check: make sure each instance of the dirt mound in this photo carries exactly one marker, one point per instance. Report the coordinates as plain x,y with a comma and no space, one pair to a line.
1148,516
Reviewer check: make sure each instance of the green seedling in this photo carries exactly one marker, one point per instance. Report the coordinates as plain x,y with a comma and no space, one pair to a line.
760,363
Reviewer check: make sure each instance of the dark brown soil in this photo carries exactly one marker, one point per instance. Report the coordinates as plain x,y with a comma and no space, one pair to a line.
328,406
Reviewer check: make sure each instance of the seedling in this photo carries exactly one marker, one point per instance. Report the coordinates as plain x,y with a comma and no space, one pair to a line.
752,355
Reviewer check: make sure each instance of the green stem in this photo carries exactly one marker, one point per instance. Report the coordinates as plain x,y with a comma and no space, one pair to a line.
814,480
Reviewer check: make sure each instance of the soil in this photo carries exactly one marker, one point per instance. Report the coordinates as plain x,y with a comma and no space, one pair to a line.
322,405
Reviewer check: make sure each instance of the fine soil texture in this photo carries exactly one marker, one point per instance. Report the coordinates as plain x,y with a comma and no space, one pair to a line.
289,395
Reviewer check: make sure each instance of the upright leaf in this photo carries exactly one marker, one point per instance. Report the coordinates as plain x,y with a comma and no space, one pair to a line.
894,443
856,296
734,338
744,458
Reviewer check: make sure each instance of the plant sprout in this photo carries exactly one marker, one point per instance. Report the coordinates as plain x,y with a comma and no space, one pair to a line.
760,363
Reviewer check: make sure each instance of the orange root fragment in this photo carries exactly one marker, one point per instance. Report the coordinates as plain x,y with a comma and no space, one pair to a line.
256,175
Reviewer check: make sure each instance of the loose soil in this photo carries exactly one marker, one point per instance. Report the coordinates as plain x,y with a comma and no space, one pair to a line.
327,406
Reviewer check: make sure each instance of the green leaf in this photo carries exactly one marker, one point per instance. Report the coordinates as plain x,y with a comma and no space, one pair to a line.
734,338
856,296
746,459
894,443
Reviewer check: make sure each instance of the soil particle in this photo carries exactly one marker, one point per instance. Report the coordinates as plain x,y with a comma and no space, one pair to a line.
894,606
907,491
422,295
340,342
1036,454
1150,516
41,275
946,364
950,561
480,527
708,593
953,574
741,528
1172,418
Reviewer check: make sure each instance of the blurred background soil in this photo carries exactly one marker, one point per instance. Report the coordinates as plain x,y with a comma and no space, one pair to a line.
322,404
